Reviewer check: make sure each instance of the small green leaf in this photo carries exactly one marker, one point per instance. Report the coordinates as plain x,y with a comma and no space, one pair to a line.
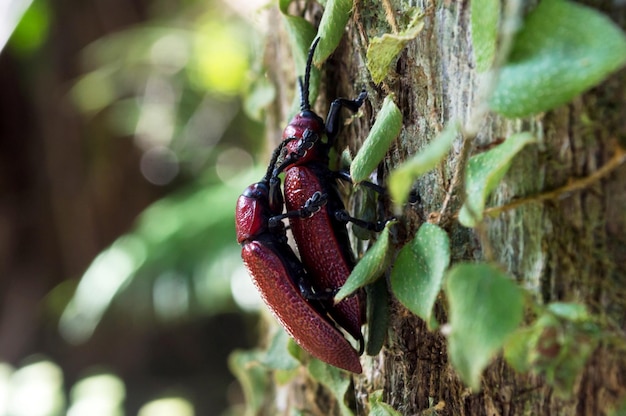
516,349
563,49
261,94
370,267
331,28
296,351
336,380
377,316
484,173
485,16
276,357
385,130
283,5
378,407
252,377
418,272
486,306
402,178
30,29
556,346
383,50
574,312
365,207
301,35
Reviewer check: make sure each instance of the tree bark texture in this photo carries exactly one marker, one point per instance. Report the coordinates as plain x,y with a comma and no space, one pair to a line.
567,249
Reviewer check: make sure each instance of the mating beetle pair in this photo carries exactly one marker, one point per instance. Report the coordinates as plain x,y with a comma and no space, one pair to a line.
299,292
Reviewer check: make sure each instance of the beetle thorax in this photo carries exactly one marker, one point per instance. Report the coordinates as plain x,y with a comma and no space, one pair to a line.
252,213
297,129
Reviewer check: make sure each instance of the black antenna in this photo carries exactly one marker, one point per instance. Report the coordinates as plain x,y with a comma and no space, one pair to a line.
273,160
304,87
271,168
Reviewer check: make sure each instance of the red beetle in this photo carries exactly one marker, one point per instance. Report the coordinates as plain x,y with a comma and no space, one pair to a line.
280,277
322,239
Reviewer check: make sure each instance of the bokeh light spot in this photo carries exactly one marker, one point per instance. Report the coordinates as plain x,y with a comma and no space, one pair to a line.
231,162
167,407
221,63
159,165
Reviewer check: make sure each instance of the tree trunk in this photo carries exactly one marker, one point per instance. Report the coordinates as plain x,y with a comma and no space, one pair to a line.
567,249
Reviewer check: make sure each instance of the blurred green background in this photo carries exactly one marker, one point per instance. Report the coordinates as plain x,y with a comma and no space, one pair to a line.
126,134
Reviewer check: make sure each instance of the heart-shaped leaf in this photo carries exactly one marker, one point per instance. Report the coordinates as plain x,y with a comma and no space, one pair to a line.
370,267
484,173
418,272
336,380
486,306
485,16
402,178
563,49
383,50
378,407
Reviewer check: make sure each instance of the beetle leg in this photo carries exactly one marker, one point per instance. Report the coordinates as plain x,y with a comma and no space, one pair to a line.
311,206
308,140
345,176
332,119
309,293
343,216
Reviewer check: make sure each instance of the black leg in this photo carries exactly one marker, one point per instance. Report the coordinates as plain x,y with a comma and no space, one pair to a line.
332,119
343,216
311,206
345,176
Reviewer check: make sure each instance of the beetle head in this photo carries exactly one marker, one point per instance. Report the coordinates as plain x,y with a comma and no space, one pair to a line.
252,212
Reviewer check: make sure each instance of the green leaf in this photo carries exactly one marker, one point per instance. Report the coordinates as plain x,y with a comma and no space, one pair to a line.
336,380
418,272
563,49
378,407
276,357
261,94
384,50
556,346
486,306
331,28
252,377
370,267
377,316
385,130
31,23
402,178
365,208
301,35
516,349
574,312
485,16
484,173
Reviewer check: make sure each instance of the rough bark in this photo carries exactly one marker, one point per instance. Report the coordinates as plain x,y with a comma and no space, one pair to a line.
570,249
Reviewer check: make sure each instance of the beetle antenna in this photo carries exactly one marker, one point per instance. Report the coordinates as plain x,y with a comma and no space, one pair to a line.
304,86
271,168
273,160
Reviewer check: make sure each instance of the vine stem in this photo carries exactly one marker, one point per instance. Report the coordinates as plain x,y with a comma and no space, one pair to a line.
574,185
390,16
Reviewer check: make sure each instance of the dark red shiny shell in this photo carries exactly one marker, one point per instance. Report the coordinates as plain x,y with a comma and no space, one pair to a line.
297,126
304,324
320,248
250,215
